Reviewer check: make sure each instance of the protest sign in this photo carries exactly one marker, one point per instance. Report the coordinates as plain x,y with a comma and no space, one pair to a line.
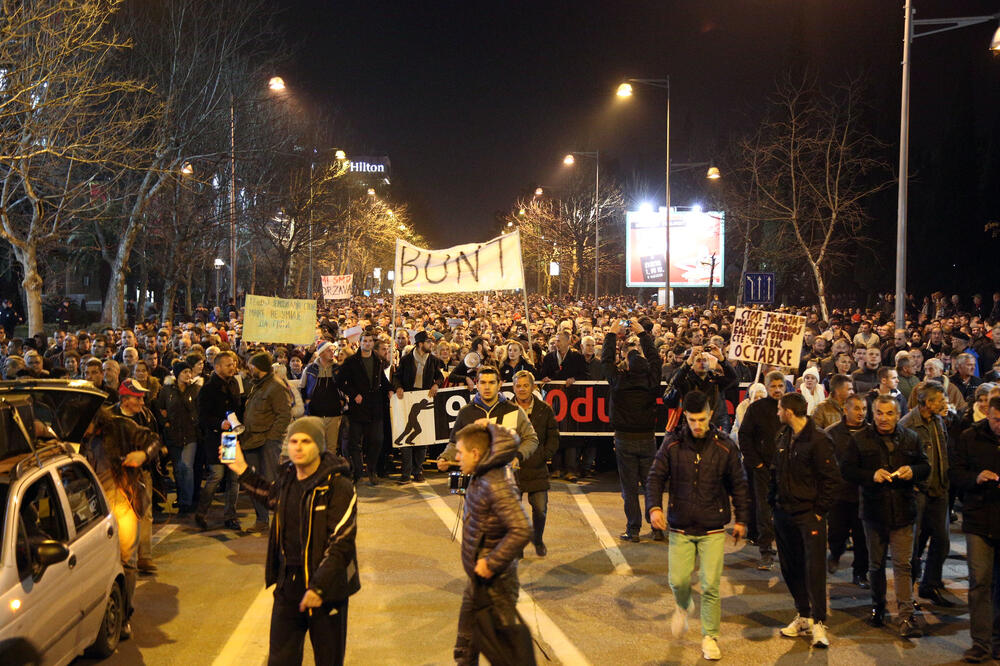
495,264
412,419
281,320
336,287
772,338
353,334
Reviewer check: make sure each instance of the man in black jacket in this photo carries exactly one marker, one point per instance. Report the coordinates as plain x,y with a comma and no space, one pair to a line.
312,558
706,370
845,518
495,530
418,370
803,482
699,468
975,471
362,379
633,394
758,433
886,460
569,365
219,397
533,475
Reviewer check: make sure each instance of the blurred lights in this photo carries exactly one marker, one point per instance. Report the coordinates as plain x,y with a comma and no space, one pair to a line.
340,155
995,42
371,191
696,208
713,173
539,191
624,90
187,169
645,207
569,160
15,605
276,83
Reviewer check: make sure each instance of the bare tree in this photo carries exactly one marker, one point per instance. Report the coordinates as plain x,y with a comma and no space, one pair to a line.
810,167
68,127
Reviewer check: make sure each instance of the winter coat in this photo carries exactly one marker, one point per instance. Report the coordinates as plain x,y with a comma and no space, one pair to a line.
573,365
758,432
632,394
329,514
890,504
713,385
323,394
507,371
503,412
406,374
828,413
978,448
534,473
933,434
846,491
495,525
804,476
178,412
353,380
267,413
699,485
217,398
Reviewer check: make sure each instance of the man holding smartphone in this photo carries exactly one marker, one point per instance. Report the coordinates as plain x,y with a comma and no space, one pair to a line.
311,554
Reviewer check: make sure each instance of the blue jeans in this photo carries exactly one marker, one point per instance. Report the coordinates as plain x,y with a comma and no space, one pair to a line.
539,502
983,557
634,457
265,460
412,458
215,474
182,458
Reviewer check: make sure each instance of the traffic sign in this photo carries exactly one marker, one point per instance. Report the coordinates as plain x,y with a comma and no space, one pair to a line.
758,288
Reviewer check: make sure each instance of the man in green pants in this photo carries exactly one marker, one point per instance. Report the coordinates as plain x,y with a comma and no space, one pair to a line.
700,468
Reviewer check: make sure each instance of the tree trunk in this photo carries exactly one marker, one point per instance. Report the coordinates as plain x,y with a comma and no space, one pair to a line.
820,291
746,264
188,309
32,283
169,296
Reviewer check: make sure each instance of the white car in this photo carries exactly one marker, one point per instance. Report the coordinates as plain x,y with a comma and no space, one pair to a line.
62,588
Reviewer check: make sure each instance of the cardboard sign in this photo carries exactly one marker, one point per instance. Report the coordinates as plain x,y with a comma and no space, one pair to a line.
337,287
353,334
772,338
282,320
489,266
412,419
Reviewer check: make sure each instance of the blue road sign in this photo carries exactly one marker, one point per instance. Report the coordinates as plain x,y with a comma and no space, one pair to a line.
758,288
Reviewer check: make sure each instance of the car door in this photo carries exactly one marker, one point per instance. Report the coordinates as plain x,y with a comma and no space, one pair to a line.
94,543
48,612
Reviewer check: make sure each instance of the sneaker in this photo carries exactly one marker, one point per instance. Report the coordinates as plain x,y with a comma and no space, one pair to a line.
710,648
861,580
908,629
658,535
800,626
679,621
832,564
628,536
819,637
975,655
126,631
766,562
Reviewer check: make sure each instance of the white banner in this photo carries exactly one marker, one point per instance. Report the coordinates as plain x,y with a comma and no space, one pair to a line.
412,419
495,264
772,338
336,287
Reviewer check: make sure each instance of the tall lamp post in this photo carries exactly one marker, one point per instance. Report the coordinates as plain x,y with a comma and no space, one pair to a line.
941,25
219,263
570,160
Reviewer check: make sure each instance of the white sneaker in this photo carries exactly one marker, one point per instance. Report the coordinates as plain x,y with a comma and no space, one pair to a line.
710,648
800,626
679,621
819,637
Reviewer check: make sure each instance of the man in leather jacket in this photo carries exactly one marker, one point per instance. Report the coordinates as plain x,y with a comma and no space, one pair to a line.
311,553
495,529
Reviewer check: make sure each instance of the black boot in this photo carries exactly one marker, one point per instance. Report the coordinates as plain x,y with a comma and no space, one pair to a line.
877,618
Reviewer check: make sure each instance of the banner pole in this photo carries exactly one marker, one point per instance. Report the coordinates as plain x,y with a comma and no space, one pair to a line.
524,287
395,282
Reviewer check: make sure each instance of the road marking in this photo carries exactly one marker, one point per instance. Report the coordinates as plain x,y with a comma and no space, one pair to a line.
547,631
162,533
249,641
608,542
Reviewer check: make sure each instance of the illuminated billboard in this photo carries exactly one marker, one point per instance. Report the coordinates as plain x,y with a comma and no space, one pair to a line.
694,237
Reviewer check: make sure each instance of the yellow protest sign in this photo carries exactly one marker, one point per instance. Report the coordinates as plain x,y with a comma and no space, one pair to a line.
284,320
774,338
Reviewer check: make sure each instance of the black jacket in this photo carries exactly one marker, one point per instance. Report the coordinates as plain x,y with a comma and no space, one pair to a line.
804,476
507,371
573,365
978,448
633,394
534,473
496,527
699,486
329,512
406,374
179,412
891,504
713,385
758,432
354,381
847,491
217,398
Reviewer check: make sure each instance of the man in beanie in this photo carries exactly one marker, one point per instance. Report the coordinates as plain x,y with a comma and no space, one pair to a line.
266,416
177,404
418,370
320,394
312,560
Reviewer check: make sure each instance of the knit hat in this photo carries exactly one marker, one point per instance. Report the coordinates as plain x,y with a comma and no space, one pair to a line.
309,425
323,346
262,361
178,367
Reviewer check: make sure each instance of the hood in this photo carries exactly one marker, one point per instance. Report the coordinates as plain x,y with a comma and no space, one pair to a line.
65,405
329,463
503,448
985,431
479,401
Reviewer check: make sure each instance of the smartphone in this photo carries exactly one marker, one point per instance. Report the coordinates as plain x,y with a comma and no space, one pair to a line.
228,447
625,323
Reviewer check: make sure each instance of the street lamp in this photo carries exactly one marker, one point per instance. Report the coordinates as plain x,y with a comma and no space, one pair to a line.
570,160
277,84
713,173
539,191
219,263
941,25
187,169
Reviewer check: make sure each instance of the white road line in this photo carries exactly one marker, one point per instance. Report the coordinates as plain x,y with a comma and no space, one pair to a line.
547,631
608,542
249,642
162,533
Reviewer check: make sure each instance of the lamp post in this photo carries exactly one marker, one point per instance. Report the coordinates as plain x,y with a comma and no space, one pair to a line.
941,25
219,263
570,160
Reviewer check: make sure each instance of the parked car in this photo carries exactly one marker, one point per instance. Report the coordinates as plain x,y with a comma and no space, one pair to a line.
61,580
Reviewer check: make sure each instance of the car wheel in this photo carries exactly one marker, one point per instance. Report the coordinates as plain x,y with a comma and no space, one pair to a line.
111,626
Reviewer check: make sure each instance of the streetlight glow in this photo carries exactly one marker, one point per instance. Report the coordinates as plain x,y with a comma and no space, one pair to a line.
539,191
340,155
219,263
371,191
713,173
402,227
995,42
187,169
569,160
276,83
624,90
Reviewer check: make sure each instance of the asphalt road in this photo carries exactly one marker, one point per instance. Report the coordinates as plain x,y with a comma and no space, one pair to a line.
592,600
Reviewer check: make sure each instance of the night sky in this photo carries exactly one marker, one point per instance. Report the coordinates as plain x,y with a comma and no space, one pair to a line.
476,102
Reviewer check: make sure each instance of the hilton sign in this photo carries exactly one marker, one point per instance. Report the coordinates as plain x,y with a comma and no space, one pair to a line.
373,165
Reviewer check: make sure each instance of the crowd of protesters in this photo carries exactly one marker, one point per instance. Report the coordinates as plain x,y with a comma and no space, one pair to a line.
875,439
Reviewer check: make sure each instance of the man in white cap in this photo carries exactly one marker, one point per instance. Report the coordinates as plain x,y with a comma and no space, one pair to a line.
320,394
